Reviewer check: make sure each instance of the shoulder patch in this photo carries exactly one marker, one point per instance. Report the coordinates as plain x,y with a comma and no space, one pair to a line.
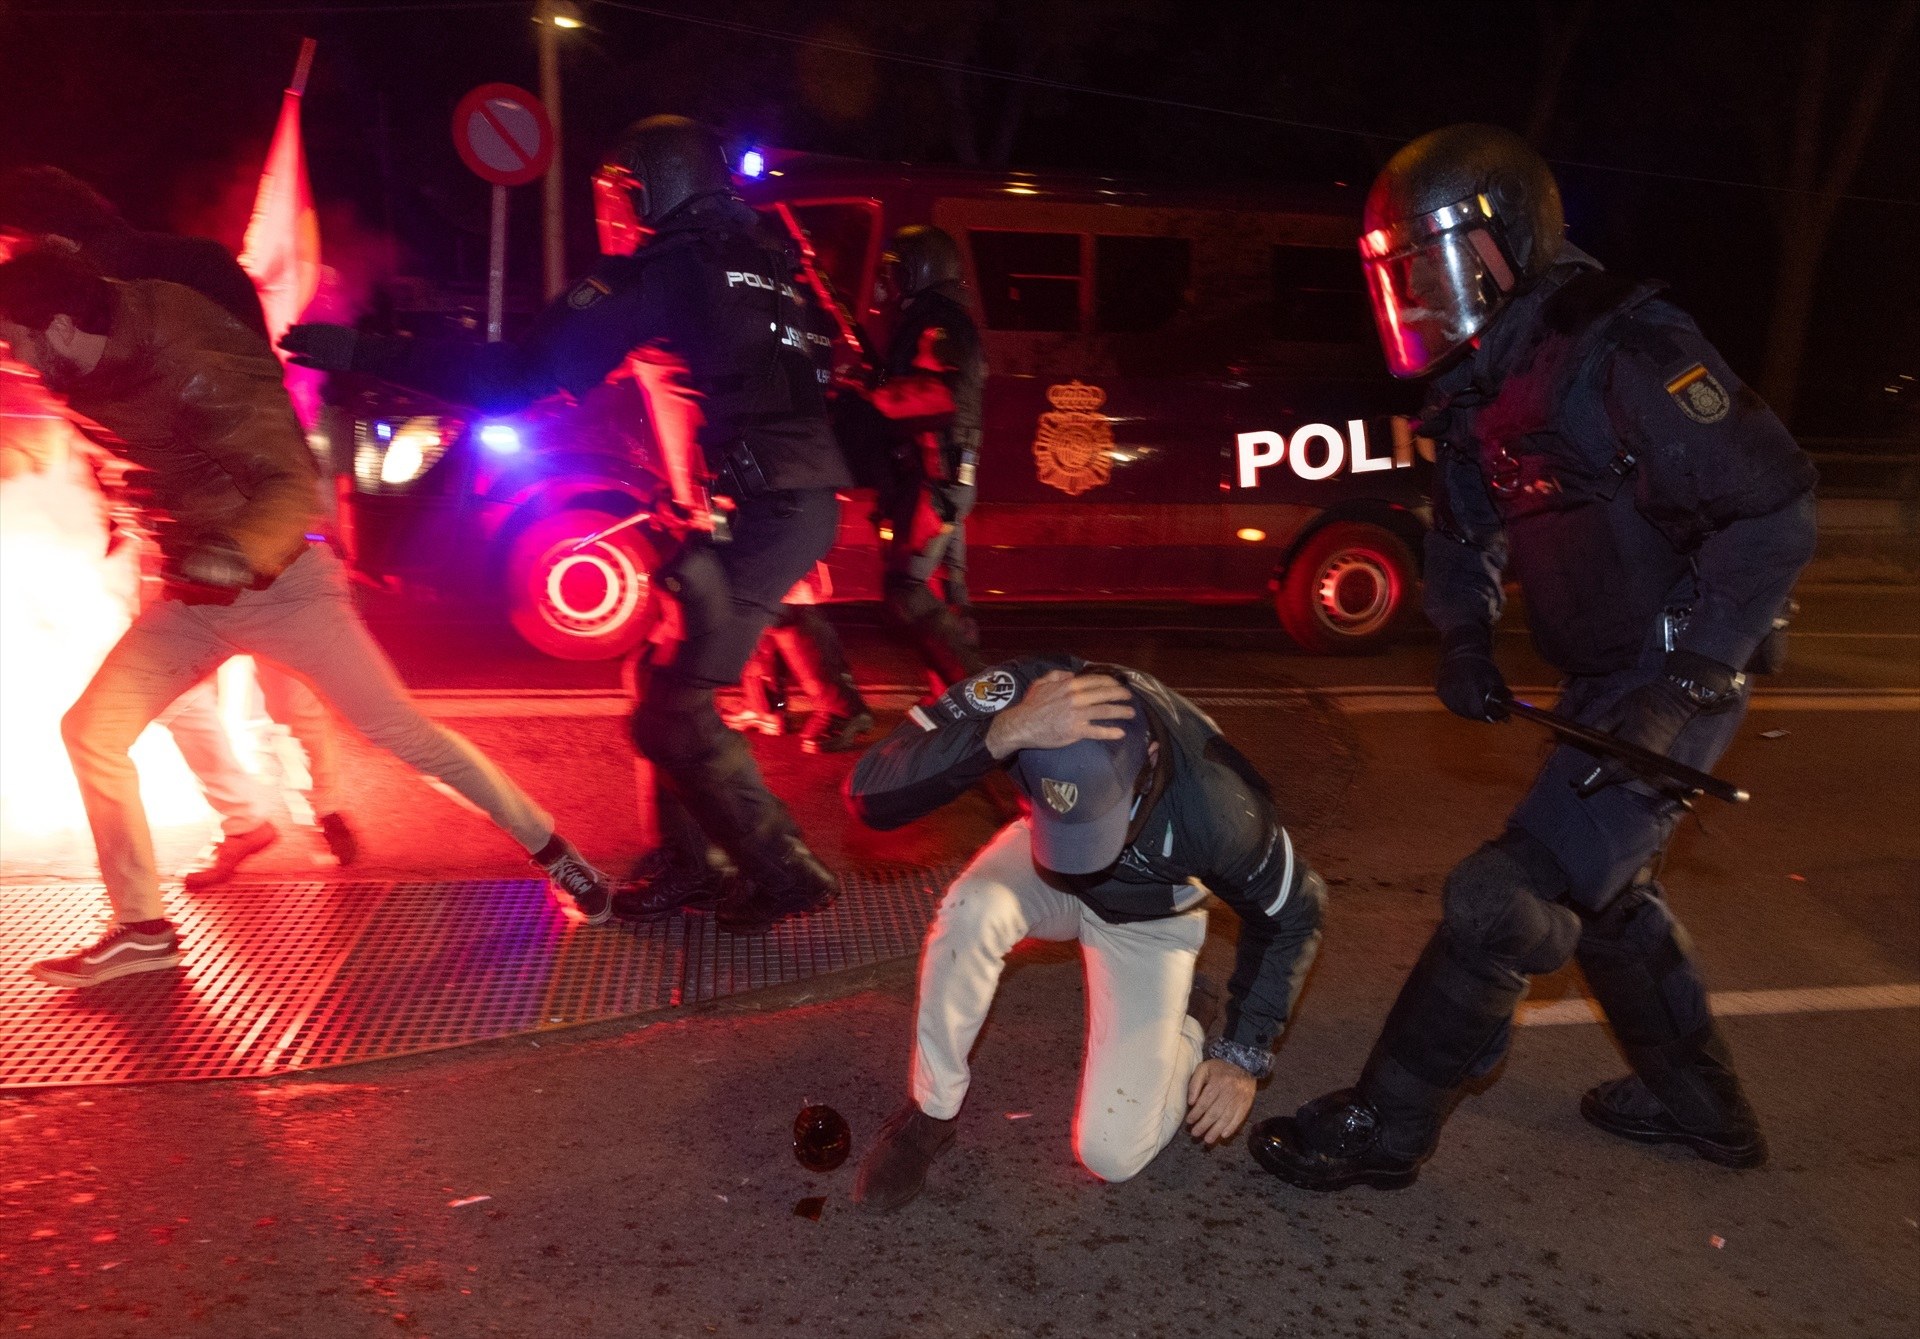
1700,395
989,692
587,292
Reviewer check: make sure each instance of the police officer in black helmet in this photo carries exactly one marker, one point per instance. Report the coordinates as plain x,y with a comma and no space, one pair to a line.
934,374
700,301
1656,513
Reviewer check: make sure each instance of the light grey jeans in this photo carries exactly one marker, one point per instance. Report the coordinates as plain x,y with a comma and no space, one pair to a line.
1142,1047
305,621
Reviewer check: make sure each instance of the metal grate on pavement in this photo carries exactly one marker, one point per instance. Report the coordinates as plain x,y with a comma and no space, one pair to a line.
290,976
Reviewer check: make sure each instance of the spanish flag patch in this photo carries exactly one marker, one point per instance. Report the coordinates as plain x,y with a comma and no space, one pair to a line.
1700,395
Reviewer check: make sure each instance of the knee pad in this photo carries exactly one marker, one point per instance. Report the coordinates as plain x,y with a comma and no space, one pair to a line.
673,719
1499,906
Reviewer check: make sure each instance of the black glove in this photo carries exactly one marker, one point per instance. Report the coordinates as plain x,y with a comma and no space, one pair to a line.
1653,715
219,566
328,347
1468,682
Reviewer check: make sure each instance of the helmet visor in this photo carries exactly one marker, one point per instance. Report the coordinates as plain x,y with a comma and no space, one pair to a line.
613,214
1435,284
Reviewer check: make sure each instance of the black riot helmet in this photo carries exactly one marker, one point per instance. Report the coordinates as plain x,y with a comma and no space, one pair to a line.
655,169
919,257
1457,224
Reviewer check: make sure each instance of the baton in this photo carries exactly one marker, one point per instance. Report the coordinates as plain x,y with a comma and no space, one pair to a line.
1654,766
638,518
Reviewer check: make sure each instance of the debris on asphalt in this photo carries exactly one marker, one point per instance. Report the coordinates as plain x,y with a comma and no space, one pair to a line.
1019,1115
1717,1242
471,1199
1774,734
810,1208
1798,878
821,1138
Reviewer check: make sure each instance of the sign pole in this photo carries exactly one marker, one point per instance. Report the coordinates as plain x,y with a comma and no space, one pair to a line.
497,265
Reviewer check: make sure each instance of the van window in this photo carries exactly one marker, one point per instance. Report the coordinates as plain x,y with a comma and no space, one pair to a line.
1140,283
842,235
1028,280
1320,296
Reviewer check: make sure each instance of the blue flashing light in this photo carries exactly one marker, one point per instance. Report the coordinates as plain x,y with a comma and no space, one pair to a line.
753,163
501,437
383,430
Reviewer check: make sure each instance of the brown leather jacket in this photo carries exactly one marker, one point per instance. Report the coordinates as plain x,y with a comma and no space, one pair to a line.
194,401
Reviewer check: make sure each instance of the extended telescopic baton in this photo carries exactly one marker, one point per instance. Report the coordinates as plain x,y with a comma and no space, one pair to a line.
1654,766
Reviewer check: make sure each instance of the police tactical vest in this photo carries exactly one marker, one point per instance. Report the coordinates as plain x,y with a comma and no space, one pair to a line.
928,310
1596,572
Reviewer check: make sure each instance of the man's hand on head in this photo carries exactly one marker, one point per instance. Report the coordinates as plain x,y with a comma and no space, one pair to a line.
1061,708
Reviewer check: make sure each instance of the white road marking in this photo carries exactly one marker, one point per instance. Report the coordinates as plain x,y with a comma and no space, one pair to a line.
1355,699
1732,1003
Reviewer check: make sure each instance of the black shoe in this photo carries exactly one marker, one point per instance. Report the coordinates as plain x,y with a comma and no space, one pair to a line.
582,891
232,852
753,907
895,1168
1625,1107
340,838
662,885
829,733
1332,1142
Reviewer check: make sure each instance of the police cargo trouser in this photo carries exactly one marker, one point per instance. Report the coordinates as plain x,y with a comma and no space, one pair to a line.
928,520
1142,1046
1570,877
304,621
707,787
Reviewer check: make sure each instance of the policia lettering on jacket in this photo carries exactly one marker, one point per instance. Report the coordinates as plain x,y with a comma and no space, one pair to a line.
729,355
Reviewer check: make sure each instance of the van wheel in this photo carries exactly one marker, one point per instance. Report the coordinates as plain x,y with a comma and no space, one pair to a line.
1345,588
579,603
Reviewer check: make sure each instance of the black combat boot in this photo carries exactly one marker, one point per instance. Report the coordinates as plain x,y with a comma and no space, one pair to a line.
767,893
1331,1143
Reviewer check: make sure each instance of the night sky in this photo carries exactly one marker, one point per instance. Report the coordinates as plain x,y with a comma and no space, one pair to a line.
168,107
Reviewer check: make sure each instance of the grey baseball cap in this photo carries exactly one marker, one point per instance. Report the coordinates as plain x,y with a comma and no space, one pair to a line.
1083,797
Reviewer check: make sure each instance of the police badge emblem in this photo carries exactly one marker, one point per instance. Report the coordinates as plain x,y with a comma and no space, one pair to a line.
1700,397
1060,796
990,692
1070,450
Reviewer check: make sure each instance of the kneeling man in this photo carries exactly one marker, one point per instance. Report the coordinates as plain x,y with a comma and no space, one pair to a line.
1139,810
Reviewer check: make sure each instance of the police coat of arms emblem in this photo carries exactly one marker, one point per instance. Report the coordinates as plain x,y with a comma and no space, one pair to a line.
1070,449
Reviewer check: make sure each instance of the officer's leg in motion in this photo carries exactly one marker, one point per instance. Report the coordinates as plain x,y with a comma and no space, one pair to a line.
921,537
728,595
1562,880
812,650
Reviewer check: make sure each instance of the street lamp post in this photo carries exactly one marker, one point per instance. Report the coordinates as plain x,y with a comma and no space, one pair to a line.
552,16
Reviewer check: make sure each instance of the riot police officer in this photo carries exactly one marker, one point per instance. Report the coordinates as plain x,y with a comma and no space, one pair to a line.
729,353
1656,514
934,372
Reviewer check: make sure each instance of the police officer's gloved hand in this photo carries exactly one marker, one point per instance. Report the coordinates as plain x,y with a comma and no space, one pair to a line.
1653,715
1468,682
330,348
218,565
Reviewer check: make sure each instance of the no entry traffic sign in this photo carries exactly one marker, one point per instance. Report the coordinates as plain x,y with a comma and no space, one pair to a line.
503,134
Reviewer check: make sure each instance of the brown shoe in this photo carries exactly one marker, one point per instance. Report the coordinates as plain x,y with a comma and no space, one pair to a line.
896,1166
232,852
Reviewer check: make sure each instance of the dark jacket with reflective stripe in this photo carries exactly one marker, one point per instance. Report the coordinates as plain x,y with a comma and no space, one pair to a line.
714,293
1598,446
1208,820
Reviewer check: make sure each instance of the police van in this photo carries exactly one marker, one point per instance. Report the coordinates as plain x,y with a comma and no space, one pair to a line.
1185,401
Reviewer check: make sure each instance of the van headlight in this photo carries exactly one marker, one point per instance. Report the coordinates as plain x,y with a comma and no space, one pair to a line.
392,453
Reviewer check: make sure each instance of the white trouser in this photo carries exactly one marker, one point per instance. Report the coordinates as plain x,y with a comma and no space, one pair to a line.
1142,1047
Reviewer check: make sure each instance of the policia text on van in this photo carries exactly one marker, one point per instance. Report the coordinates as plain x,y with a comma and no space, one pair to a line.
1185,401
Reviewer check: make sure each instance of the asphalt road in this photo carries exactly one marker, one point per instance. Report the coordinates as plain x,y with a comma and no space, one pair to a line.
639,1173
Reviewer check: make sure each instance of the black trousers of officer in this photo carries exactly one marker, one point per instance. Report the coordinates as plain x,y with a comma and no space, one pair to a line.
1570,877
707,785
928,519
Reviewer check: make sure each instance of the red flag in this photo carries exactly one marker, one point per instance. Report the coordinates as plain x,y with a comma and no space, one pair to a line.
282,247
